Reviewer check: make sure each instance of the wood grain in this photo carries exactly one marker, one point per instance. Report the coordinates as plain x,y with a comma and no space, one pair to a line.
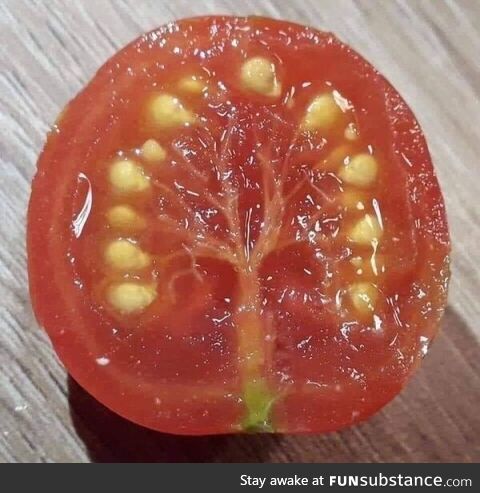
429,50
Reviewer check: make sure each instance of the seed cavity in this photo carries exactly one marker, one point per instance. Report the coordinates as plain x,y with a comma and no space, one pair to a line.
131,297
361,170
322,113
366,231
258,74
166,111
127,177
126,256
153,152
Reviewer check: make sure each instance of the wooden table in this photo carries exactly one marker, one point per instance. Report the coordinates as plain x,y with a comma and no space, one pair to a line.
430,51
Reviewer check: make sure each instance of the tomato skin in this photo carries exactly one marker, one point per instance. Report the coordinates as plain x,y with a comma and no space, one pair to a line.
89,127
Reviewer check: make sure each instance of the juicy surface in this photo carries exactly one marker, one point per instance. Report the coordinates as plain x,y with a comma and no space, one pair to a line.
258,285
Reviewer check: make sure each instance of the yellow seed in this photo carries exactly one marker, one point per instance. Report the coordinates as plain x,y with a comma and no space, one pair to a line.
322,113
126,256
352,199
351,132
364,296
131,297
124,217
357,262
258,74
127,177
290,101
166,111
192,84
366,231
361,170
153,152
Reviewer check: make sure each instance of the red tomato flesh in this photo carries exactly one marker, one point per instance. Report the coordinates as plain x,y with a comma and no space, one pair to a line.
236,226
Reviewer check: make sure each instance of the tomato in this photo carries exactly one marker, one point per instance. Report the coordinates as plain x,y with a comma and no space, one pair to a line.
236,226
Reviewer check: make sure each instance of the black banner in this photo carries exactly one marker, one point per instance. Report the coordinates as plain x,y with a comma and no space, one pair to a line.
231,478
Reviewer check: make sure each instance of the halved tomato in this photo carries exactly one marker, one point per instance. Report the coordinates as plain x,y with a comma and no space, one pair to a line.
236,226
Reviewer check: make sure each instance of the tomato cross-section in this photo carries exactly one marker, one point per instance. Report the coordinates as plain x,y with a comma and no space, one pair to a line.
236,226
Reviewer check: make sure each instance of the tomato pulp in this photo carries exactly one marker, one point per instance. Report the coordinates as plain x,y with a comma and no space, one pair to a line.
236,226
